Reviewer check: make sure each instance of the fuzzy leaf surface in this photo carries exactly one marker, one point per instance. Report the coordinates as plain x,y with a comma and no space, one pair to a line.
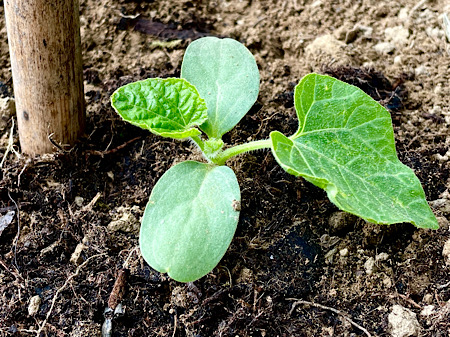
345,145
189,220
168,107
226,76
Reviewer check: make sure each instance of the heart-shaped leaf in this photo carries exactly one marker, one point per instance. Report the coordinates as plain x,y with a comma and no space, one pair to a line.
168,107
345,145
190,220
226,76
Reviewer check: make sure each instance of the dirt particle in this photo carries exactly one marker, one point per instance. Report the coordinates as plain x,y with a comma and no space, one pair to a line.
427,310
340,221
86,329
76,257
329,256
126,223
236,204
381,257
387,282
33,306
7,107
79,201
369,266
397,35
327,44
343,252
421,70
446,251
48,251
384,47
428,299
403,322
245,276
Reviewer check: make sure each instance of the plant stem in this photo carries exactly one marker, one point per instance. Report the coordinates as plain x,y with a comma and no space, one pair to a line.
238,149
197,140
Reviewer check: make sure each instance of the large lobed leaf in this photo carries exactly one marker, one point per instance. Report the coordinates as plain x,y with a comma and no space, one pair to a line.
345,145
190,220
168,107
226,76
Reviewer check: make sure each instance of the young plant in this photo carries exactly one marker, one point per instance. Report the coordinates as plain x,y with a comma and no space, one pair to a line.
344,144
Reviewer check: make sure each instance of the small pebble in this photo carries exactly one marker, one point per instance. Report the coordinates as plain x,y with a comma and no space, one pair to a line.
127,223
343,252
366,30
79,201
384,47
7,106
420,70
398,60
438,89
33,306
403,322
327,44
329,255
381,257
397,35
7,110
369,266
428,310
446,251
428,299
403,14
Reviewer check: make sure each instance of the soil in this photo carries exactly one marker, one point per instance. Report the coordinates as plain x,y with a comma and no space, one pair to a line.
292,244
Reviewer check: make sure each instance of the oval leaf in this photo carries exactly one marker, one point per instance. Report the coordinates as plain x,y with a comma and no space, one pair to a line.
190,220
345,145
226,76
168,107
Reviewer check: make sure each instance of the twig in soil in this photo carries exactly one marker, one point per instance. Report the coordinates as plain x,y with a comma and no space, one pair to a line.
92,202
7,208
174,325
15,274
259,21
16,239
120,147
320,306
55,144
118,289
130,254
22,171
410,301
10,146
442,286
416,7
62,288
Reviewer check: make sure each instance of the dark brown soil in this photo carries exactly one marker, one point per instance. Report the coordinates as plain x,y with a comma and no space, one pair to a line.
291,243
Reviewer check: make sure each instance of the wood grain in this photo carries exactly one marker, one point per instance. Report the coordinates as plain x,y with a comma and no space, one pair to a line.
45,51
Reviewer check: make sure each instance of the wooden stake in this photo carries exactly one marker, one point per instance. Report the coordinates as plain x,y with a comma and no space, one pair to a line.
45,51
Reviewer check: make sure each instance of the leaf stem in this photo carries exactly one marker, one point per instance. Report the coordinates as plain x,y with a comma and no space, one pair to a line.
242,148
197,140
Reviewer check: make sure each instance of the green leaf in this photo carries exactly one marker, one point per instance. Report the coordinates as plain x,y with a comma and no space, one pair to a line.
168,107
190,220
226,76
345,145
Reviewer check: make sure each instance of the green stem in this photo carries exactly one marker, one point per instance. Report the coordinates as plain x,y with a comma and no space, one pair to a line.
197,140
238,149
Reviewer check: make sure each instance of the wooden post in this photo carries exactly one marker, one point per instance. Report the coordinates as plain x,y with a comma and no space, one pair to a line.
45,51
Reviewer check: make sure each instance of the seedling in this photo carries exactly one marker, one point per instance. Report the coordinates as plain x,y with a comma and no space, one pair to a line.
344,144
